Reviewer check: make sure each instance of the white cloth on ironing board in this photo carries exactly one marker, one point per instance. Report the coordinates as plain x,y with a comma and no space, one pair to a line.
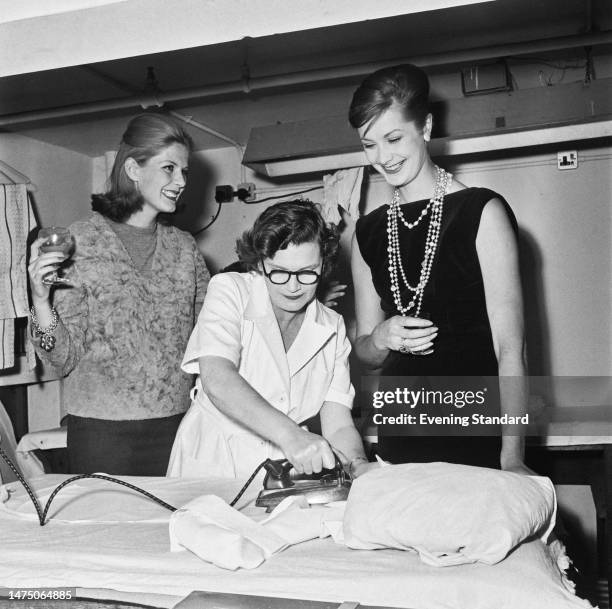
125,557
450,514
221,535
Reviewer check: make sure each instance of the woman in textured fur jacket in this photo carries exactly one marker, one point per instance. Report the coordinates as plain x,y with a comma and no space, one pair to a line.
119,332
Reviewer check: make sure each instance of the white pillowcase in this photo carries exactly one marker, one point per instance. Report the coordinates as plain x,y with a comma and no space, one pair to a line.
450,514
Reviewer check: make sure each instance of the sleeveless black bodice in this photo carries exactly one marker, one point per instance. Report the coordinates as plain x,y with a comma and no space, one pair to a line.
454,300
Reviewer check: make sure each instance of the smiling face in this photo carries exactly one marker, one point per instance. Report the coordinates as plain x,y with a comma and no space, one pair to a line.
293,297
161,179
396,147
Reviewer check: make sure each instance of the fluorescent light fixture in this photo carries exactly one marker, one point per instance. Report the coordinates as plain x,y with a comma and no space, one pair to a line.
442,147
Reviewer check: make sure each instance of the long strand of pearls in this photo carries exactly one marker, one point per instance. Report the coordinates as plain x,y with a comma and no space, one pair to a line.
396,268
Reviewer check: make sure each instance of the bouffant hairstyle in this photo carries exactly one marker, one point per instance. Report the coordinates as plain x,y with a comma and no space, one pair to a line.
145,136
283,224
405,85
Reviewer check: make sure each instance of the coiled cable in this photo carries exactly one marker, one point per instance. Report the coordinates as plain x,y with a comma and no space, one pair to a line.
42,513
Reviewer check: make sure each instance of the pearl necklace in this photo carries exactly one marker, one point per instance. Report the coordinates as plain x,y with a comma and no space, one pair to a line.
396,268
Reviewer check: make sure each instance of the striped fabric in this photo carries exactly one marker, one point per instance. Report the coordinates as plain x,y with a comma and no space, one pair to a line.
16,222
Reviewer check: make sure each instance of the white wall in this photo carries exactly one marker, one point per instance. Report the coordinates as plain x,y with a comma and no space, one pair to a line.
566,256
565,221
62,178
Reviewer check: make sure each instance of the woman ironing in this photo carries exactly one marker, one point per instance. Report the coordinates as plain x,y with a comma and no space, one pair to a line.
270,356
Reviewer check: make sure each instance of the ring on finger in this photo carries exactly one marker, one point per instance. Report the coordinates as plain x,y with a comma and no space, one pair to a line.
404,348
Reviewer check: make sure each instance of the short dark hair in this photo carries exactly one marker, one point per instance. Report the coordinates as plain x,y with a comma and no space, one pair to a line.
405,85
145,136
290,222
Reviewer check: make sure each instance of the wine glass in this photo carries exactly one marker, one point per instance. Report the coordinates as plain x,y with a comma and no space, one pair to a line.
56,239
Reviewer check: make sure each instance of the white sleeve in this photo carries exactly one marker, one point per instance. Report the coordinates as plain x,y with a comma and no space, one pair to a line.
341,389
218,329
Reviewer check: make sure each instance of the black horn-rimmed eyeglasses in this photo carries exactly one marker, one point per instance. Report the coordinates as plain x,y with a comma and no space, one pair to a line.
279,277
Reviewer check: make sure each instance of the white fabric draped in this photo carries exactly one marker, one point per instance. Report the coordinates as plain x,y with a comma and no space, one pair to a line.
342,189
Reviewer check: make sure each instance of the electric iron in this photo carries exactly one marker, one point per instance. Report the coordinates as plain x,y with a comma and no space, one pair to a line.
283,481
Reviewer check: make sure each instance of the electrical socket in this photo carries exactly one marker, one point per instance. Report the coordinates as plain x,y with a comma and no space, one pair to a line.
250,188
567,159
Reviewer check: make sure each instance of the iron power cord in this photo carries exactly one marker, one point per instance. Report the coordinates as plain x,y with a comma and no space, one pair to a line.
248,482
42,513
214,218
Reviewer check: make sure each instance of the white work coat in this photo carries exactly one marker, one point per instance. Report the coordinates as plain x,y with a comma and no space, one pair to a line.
237,322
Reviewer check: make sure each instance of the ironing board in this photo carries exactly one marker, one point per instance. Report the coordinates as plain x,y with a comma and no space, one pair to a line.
108,543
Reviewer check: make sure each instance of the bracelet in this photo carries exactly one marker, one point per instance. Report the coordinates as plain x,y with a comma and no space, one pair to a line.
354,461
47,339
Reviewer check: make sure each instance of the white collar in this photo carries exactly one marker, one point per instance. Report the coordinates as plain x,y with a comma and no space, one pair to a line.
317,328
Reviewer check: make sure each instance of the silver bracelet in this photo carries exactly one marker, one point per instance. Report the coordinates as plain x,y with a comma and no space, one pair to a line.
47,339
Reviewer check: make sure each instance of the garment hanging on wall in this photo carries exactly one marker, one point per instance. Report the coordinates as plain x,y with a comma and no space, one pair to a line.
16,222
342,189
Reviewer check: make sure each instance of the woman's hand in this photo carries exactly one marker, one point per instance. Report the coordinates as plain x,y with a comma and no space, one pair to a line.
362,467
41,265
309,453
334,291
405,334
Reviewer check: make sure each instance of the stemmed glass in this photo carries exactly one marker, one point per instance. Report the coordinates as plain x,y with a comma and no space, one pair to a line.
56,239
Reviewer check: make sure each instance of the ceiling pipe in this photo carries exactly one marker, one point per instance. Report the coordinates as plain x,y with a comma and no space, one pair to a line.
238,147
152,82
207,129
310,76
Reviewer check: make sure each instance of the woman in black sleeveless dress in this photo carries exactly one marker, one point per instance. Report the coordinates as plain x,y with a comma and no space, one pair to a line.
437,286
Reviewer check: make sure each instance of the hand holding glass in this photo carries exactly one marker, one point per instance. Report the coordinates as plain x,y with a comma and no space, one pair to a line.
56,239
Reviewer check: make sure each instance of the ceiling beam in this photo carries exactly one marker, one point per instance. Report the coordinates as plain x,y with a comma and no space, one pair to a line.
309,76
130,28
